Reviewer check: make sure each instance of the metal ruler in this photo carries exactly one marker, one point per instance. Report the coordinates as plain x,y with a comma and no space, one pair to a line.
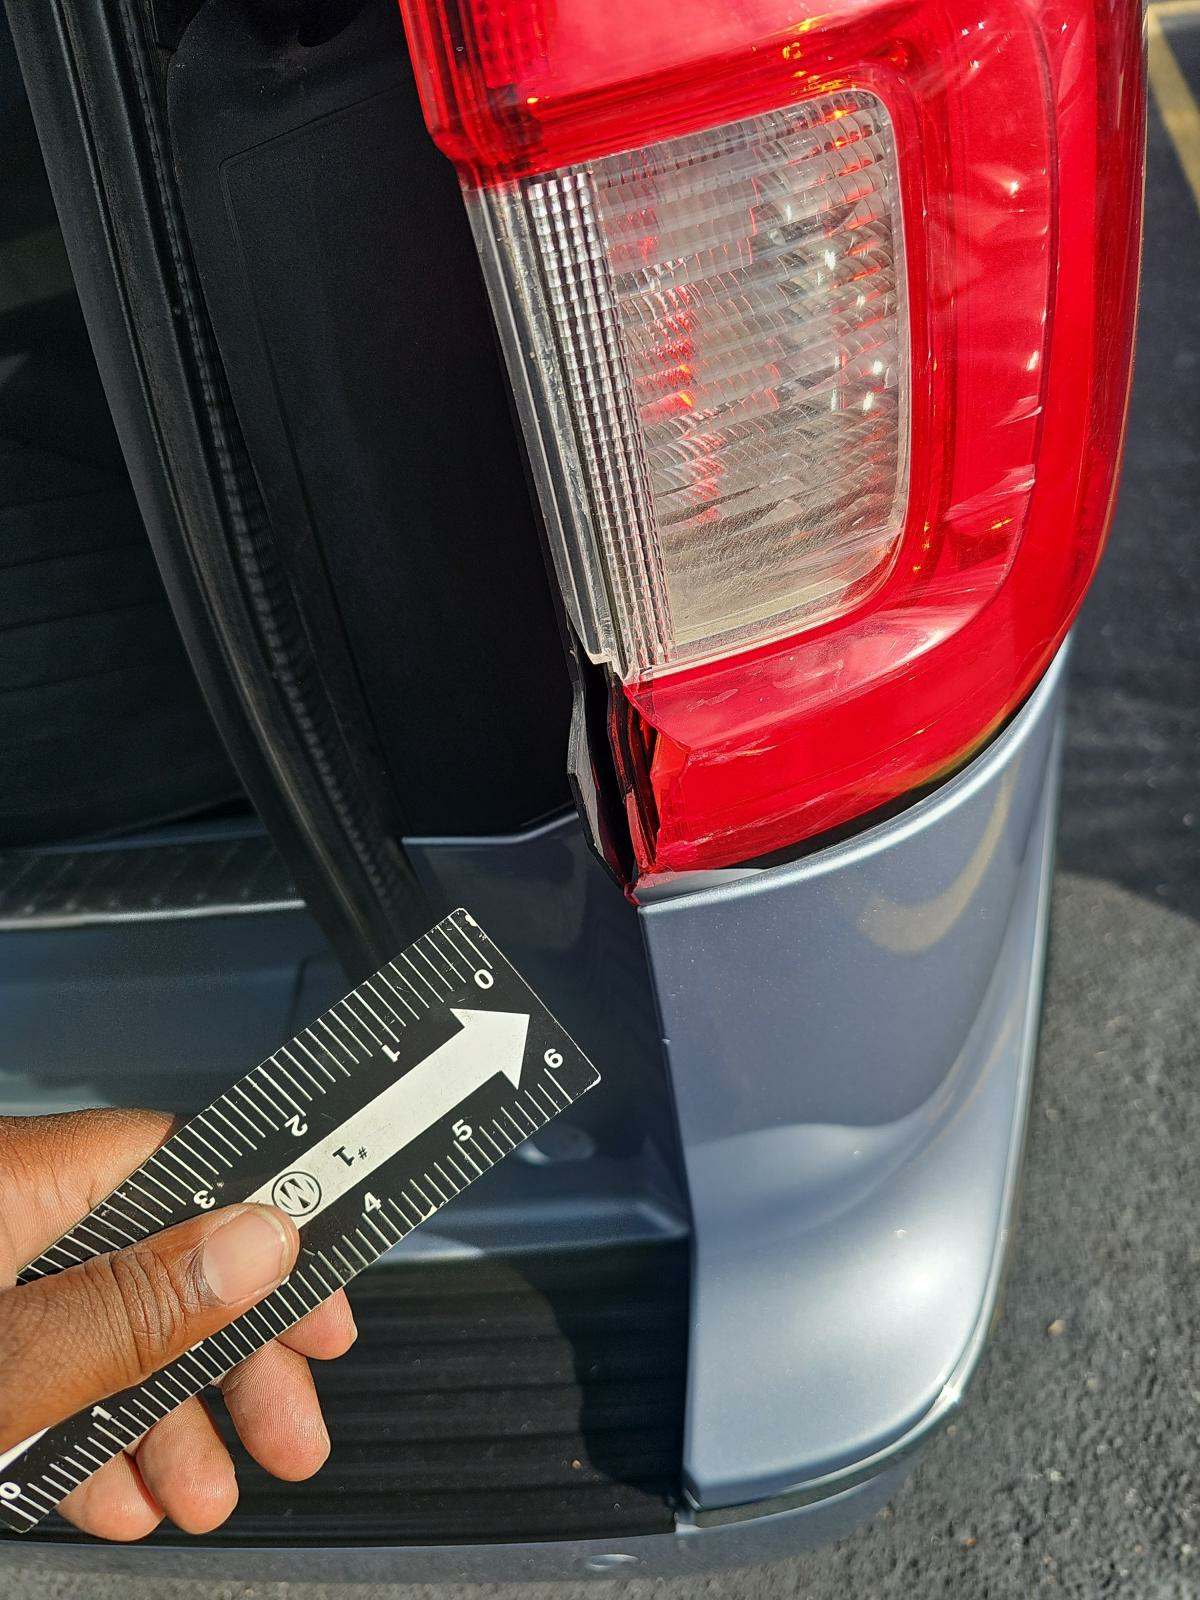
361,1128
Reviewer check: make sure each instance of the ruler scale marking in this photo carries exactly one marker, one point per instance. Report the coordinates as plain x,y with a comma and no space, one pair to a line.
438,978
232,1110
300,1067
300,1044
441,1169
447,957
172,1198
157,1170
217,1155
189,1172
125,1217
72,1259
180,1143
375,1228
406,994
240,1112
217,1134
298,1087
215,1111
105,1244
391,1033
357,1165
327,1026
386,1003
420,976
408,984
251,1082
149,1198
331,1059
254,1114
467,1156
345,1012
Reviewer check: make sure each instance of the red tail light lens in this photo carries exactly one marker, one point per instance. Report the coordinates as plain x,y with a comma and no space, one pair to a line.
820,322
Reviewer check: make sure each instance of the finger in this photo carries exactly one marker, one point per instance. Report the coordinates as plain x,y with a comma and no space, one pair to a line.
69,1340
326,1333
114,1503
273,1404
53,1170
187,1469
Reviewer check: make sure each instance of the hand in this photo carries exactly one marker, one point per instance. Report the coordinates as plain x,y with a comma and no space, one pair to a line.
69,1340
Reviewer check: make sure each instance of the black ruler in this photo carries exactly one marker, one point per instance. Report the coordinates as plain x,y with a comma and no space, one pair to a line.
362,1127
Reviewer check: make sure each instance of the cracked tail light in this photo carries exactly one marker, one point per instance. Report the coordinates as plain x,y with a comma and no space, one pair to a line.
820,325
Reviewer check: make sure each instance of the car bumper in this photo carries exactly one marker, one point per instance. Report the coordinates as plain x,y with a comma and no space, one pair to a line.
849,1043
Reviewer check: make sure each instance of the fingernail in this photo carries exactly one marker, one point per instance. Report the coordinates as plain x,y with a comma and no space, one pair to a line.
246,1255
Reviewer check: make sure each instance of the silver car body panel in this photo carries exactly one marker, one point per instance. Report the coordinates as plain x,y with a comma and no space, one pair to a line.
850,1042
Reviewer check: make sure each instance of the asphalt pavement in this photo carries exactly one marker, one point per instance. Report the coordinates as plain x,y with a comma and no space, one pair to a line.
1074,1468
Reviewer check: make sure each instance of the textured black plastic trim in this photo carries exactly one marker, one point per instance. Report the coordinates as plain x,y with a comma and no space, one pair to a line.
496,1400
93,90
344,293
222,872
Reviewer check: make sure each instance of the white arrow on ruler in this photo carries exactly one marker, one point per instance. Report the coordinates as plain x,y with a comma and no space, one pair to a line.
489,1042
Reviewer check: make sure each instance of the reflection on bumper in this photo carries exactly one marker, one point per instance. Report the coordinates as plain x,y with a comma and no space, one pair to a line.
850,1040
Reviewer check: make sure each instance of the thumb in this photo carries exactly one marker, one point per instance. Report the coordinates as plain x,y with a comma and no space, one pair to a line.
70,1340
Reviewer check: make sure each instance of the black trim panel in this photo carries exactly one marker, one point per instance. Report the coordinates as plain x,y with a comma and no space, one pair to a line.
92,90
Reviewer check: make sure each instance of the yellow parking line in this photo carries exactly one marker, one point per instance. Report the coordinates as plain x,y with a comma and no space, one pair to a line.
1176,102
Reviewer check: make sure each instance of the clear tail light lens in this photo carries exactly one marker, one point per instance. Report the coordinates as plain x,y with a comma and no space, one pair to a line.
820,323
716,319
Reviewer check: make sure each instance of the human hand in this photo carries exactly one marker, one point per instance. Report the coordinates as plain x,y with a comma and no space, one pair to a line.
71,1339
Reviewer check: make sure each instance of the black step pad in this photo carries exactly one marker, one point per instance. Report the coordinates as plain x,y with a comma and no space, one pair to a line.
521,1398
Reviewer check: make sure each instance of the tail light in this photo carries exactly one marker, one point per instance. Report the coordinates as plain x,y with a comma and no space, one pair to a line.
820,324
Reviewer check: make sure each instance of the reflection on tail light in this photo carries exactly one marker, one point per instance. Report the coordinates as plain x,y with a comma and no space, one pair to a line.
720,315
820,325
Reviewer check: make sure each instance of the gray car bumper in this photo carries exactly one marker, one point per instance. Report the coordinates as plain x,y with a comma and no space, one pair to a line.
849,1042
